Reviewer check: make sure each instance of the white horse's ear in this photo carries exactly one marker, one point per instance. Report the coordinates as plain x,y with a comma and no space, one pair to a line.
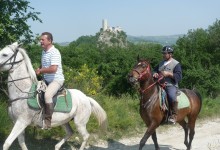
15,44
19,45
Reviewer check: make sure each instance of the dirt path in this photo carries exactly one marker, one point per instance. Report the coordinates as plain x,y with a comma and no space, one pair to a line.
207,137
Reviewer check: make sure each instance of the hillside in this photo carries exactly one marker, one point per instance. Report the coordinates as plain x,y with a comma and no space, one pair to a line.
163,40
110,38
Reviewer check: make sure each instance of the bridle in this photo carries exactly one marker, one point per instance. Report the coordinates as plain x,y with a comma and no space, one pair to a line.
12,63
142,74
13,57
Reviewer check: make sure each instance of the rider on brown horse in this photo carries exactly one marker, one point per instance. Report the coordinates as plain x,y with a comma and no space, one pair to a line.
172,72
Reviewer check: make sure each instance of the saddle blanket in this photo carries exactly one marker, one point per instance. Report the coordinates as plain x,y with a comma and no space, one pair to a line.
182,100
63,103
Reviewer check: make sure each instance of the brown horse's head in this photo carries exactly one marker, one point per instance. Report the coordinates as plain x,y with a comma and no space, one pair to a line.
141,72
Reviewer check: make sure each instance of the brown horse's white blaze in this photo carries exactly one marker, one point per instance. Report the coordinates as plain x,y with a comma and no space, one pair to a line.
150,110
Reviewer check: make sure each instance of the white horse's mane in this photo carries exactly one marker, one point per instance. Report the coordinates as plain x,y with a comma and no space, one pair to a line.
29,66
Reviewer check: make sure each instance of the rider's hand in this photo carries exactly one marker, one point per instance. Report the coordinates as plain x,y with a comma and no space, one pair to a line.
156,75
167,74
37,71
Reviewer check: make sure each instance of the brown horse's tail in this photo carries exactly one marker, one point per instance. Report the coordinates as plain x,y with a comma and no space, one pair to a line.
200,98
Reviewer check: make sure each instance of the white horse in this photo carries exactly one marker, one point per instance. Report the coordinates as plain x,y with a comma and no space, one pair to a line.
20,79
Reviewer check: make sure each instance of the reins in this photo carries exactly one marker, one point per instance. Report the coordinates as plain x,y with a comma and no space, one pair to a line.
146,76
147,70
17,79
12,100
158,81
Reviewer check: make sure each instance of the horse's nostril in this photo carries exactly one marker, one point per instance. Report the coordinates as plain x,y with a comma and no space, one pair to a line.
131,80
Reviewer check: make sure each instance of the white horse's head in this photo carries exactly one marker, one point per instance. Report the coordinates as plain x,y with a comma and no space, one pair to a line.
12,55
9,57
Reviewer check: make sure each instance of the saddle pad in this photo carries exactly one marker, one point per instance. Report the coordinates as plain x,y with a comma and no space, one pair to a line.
60,106
32,101
183,101
64,104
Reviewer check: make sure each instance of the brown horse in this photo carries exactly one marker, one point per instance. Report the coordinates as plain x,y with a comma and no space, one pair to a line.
150,107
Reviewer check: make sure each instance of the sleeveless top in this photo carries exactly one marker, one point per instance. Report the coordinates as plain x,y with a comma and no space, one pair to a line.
168,66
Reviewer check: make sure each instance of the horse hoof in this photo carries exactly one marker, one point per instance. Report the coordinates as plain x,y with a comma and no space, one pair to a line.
186,143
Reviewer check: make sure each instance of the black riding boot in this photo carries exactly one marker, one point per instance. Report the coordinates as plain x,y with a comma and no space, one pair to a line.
48,115
174,110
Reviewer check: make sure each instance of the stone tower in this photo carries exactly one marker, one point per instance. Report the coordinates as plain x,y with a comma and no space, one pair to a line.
104,24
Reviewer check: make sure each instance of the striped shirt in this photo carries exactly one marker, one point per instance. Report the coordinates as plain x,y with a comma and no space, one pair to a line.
52,57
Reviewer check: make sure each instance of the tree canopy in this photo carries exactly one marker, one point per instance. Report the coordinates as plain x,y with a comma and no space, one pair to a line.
13,21
199,52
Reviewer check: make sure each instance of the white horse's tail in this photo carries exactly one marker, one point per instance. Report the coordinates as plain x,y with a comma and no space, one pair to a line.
99,113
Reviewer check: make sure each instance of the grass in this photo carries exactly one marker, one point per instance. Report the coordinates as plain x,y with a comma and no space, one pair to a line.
210,108
5,122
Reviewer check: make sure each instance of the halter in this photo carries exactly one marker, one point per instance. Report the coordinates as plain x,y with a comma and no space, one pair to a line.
13,56
12,63
142,73
147,70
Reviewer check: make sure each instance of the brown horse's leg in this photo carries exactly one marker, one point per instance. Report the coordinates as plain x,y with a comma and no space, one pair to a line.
196,104
154,138
191,126
144,140
185,128
148,133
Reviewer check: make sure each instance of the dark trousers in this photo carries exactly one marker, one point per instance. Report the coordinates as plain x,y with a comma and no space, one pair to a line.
171,93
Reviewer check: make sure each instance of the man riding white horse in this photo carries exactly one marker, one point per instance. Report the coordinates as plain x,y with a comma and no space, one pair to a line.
51,67
21,79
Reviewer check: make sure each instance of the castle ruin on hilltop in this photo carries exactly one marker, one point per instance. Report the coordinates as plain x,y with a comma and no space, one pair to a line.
111,36
105,27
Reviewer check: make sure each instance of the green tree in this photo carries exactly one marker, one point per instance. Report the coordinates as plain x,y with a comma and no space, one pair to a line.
83,78
13,21
214,41
197,53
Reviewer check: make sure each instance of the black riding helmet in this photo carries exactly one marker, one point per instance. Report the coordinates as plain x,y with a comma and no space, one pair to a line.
167,49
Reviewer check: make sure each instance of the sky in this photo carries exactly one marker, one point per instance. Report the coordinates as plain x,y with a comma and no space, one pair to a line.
68,20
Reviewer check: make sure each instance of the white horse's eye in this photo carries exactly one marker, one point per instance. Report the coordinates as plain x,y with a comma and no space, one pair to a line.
5,55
